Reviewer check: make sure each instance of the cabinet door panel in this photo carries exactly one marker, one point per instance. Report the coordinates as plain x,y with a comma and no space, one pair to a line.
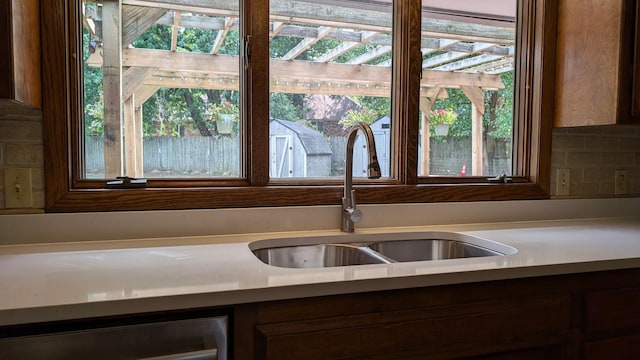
588,62
460,330
612,310
620,348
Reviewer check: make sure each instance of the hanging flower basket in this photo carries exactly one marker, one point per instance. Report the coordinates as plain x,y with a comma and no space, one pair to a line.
224,123
441,129
441,119
224,115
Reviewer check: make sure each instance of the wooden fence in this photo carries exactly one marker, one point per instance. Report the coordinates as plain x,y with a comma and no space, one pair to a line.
220,156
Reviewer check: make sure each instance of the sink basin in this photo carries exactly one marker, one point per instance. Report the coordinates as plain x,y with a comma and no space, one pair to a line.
321,255
363,249
430,249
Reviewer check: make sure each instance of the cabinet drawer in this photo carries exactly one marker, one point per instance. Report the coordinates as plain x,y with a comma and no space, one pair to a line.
612,310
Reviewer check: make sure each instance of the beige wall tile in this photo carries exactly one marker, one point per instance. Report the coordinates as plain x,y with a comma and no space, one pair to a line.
21,131
24,155
580,159
606,148
619,159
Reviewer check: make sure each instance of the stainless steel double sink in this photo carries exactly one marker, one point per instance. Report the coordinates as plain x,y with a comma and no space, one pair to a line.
348,250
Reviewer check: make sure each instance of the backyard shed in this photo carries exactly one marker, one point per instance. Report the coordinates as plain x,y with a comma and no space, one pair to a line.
381,129
296,150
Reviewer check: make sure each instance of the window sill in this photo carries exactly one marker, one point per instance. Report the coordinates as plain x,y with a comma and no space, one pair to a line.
275,196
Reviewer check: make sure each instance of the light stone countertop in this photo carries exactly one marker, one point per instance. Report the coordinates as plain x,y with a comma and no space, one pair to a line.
47,282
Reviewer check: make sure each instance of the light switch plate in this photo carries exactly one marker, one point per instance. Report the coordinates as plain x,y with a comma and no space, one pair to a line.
17,188
621,182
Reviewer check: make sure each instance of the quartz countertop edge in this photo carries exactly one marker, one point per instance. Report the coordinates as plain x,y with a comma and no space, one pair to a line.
51,282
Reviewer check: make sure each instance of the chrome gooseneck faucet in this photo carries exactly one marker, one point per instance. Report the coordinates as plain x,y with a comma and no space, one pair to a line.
350,214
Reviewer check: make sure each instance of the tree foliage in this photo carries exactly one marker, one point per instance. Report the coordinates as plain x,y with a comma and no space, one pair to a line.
176,111
498,117
93,104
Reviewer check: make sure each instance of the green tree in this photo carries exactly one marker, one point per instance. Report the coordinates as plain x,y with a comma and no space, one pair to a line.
457,101
93,104
172,110
372,109
353,117
498,117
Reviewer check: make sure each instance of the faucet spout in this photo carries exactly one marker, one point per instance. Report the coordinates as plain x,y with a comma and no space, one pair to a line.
350,213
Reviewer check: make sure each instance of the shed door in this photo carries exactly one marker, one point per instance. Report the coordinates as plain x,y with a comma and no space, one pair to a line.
281,158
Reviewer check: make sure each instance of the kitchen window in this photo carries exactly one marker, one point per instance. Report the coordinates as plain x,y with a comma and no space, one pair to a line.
129,83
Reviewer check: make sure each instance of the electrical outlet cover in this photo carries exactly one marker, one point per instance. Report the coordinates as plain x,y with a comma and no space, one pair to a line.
562,182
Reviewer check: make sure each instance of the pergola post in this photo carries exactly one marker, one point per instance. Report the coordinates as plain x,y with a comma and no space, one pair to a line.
476,95
426,145
112,85
477,147
132,138
135,94
426,105
139,144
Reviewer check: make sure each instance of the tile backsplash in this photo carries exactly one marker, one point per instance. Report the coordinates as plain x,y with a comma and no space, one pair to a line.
21,146
591,154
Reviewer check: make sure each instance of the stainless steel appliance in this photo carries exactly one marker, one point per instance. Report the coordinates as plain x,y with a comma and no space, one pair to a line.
149,337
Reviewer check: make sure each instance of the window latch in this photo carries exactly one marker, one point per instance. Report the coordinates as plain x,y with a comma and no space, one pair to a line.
125,182
503,178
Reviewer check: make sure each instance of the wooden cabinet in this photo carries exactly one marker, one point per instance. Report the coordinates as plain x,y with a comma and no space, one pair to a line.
635,102
20,52
476,321
612,324
594,63
582,316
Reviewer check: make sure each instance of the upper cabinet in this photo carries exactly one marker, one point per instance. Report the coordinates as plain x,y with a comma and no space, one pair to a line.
635,102
595,63
20,52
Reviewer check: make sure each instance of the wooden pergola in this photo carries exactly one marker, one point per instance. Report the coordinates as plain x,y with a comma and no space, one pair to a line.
457,53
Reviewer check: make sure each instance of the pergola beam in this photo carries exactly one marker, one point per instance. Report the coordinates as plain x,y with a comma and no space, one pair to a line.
136,20
306,43
370,55
339,17
143,93
174,31
222,34
492,66
467,62
226,65
135,77
455,55
337,51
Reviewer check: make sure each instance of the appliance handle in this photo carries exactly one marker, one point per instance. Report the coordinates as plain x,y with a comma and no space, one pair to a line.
209,354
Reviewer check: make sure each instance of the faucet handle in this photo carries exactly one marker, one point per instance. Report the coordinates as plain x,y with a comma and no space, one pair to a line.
354,214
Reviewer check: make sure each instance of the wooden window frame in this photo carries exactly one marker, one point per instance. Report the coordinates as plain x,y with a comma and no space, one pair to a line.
66,191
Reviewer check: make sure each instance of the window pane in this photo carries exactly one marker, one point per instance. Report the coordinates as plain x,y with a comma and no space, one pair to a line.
330,67
161,90
466,95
